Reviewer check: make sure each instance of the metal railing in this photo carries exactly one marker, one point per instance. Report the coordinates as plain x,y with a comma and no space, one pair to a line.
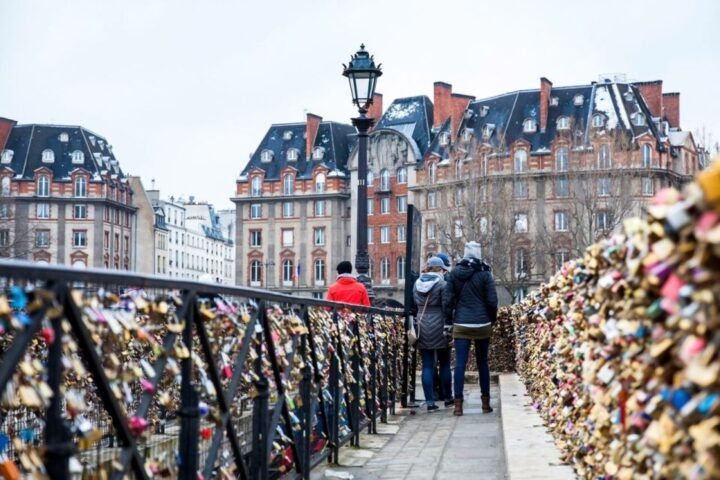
124,372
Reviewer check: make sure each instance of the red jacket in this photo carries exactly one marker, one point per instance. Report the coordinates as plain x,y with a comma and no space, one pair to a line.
348,290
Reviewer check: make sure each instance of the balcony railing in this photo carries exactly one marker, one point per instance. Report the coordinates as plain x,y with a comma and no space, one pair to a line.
105,372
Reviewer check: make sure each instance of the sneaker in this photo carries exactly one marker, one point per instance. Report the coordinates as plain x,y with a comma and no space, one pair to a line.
449,403
431,408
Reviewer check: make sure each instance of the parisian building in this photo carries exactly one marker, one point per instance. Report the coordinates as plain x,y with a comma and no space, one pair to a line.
64,198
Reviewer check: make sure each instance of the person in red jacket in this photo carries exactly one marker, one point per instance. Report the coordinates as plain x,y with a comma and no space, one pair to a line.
346,289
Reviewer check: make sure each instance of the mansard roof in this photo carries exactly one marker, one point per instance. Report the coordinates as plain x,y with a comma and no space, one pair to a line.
28,142
411,116
337,140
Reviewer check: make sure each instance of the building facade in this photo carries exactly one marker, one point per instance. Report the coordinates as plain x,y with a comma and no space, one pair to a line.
64,199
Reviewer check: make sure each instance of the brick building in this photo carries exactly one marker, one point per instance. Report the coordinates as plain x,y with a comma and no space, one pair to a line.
64,198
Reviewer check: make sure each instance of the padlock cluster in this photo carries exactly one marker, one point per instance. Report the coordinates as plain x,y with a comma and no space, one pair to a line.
620,350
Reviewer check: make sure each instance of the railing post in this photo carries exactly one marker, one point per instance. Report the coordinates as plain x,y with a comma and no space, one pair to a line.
384,378
306,395
334,420
189,412
372,426
356,390
405,366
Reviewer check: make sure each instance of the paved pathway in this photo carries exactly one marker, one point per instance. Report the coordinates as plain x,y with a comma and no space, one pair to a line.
429,446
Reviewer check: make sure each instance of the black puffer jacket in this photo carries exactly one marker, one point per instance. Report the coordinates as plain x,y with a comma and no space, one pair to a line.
470,292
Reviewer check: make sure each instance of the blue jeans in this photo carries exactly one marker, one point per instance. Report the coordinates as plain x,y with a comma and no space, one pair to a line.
428,373
462,351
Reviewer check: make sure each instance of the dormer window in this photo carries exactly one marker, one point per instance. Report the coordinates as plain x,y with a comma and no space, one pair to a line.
638,119
563,123
554,101
78,157
488,131
64,137
529,126
484,110
578,100
256,187
444,139
48,156
266,156
598,121
292,154
7,156
467,134
287,135
318,153
288,184
628,96
320,183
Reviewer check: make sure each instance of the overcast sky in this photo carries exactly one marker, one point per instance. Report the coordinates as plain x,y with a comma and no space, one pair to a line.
185,90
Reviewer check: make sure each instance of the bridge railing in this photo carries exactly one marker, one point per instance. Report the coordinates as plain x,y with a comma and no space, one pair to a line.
107,373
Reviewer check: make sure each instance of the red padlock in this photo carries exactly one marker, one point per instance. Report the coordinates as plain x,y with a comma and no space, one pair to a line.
48,335
206,433
227,371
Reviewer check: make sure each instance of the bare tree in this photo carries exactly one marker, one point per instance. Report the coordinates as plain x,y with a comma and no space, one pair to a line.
16,241
708,147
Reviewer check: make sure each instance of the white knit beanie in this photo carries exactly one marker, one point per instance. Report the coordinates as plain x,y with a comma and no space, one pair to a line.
473,250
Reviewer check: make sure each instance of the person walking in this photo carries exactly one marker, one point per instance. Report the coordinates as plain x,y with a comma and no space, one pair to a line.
346,288
429,303
471,294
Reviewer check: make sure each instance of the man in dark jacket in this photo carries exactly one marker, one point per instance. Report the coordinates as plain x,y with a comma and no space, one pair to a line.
471,294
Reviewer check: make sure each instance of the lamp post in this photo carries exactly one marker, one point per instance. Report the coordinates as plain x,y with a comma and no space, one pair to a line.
362,73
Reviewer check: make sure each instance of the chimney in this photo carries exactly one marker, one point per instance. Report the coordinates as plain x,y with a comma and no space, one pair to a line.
671,108
376,109
460,103
442,102
545,89
311,128
6,126
652,93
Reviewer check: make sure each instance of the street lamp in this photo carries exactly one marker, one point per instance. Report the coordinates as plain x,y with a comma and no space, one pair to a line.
362,75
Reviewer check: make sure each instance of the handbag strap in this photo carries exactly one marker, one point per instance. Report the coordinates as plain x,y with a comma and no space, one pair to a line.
422,314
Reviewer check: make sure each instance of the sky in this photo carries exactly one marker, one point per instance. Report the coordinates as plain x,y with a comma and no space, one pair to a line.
185,90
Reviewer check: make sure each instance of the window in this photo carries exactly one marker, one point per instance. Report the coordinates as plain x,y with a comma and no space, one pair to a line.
561,258
521,223
43,210
563,123
488,131
647,186
520,189
483,225
320,183
48,156
80,238
5,188
604,157
319,236
384,179
484,110
458,168
42,238
401,203
78,157
256,190
385,269
292,154
561,159
647,155
4,210
7,156
578,100
432,172
43,187
4,237
256,210
459,196
319,271
319,208
385,205
288,184
266,156
371,235
385,234
467,134
431,231
287,135
638,119
401,235
318,153
432,199
255,273
401,268
444,139
520,160
604,186
529,126
554,101
604,220
255,238
598,121
288,209
288,237
80,211
458,228
401,175
80,187
370,178
561,221
521,263
562,186
370,206
287,272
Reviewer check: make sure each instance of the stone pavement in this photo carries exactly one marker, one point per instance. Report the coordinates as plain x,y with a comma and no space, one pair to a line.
428,446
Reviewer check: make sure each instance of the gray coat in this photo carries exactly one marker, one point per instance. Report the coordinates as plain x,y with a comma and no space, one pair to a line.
430,287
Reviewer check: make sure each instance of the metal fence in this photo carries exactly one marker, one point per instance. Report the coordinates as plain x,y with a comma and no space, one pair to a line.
105,374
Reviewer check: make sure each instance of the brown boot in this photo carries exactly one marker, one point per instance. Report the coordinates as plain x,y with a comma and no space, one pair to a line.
458,407
486,408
